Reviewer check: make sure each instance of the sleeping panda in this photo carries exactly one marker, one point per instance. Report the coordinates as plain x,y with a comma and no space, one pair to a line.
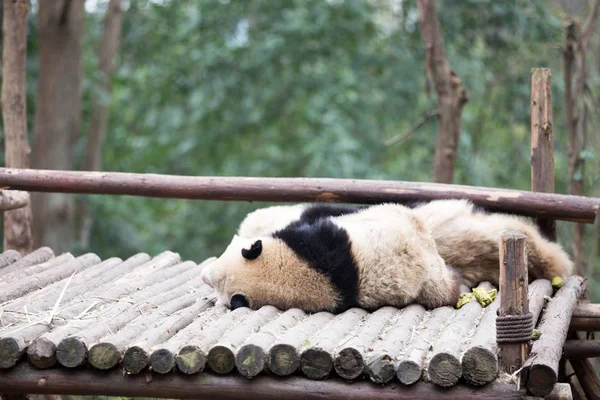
332,258
466,237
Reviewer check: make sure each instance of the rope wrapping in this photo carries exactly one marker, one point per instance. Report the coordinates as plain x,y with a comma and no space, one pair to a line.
514,328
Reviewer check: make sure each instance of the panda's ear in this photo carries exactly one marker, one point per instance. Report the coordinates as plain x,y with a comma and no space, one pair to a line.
254,250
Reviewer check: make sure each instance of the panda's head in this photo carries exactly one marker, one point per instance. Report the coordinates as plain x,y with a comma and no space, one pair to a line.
254,272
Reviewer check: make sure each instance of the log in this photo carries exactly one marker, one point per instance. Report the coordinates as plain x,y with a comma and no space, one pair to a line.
27,285
164,358
26,379
444,367
411,364
382,362
10,277
542,147
284,355
37,256
561,391
514,298
316,360
9,257
349,361
191,358
75,339
572,208
13,199
252,357
221,356
581,349
587,377
137,355
540,371
586,317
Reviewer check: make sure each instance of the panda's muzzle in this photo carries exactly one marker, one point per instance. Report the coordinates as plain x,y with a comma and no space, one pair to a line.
238,300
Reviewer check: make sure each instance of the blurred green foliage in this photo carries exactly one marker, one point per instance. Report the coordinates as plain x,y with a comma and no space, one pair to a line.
304,88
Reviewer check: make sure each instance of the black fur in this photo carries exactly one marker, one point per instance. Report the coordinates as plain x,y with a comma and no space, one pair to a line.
238,300
326,248
319,211
254,250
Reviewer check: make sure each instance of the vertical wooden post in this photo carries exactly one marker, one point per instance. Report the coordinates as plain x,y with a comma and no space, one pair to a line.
542,147
513,296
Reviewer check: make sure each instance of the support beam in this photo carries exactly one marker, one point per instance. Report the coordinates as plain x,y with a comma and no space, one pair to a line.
542,148
581,349
587,376
586,318
571,208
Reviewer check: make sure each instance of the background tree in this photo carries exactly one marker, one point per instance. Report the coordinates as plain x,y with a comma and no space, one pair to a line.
57,114
17,223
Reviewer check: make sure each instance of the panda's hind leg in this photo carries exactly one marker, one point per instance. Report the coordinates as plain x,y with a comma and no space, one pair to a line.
441,292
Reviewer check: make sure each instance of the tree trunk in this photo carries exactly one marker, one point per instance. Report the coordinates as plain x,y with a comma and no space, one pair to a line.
452,96
17,223
58,114
575,77
99,120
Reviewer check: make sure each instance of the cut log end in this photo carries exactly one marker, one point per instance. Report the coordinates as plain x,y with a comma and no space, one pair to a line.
541,380
382,369
480,366
444,370
221,360
162,361
103,356
316,363
349,363
190,360
71,352
250,360
135,360
10,352
409,372
42,353
283,360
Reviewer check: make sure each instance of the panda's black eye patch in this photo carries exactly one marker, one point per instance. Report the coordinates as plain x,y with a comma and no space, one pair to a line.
254,250
238,300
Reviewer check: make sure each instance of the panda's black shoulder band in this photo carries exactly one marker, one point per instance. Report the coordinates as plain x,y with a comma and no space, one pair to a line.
254,250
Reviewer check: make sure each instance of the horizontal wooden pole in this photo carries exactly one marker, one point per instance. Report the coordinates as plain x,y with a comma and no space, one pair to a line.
564,207
26,379
586,318
579,349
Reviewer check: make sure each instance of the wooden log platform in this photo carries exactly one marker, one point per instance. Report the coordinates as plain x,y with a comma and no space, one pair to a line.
88,321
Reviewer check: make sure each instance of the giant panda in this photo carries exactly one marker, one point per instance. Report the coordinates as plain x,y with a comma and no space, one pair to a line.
467,237
332,258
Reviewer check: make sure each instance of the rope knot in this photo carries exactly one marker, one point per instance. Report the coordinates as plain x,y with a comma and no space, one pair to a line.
514,328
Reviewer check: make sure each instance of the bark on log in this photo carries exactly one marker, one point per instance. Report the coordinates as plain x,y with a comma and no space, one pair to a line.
514,298
540,371
572,208
316,361
164,357
208,386
137,355
27,285
9,257
192,358
221,357
37,256
411,365
11,277
540,291
17,223
252,357
452,96
444,368
382,361
542,147
13,200
125,318
284,356
580,349
586,317
349,361
587,377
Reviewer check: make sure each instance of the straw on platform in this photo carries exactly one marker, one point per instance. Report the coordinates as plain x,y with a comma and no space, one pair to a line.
252,357
316,361
382,362
284,355
411,365
221,356
191,358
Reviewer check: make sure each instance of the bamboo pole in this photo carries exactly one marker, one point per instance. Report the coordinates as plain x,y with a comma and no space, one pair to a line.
572,208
